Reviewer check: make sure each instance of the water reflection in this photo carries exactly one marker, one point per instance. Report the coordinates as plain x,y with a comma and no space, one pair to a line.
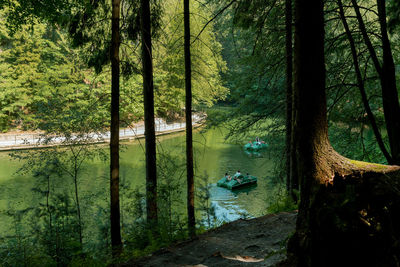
254,154
213,157
225,202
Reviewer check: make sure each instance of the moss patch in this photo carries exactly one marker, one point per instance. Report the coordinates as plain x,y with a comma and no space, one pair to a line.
370,166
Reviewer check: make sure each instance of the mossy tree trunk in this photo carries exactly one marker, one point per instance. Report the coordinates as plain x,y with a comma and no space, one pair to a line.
349,211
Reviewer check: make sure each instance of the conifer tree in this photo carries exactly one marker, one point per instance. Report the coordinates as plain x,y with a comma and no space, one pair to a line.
188,113
148,93
116,242
342,201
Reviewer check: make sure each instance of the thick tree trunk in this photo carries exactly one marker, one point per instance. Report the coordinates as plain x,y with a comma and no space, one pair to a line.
360,82
114,140
188,113
312,127
148,92
387,79
348,210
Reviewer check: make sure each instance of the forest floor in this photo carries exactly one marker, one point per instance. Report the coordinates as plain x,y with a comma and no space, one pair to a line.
256,242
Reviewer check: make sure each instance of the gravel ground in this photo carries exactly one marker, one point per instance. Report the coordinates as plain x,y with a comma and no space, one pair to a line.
256,242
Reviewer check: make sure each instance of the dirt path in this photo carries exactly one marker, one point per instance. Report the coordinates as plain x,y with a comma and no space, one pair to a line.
256,242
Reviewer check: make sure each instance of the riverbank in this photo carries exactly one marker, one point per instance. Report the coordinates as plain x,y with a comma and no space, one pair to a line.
29,140
212,154
259,242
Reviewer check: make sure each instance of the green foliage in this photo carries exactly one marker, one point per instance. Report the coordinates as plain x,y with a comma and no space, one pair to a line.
281,201
44,236
350,131
207,63
253,38
14,250
205,206
394,15
20,13
57,226
252,35
40,69
171,220
357,142
46,84
56,231
254,50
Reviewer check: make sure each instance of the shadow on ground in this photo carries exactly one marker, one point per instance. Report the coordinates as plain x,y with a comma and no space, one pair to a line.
256,242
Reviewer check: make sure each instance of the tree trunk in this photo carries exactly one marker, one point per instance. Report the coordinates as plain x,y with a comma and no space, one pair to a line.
114,139
360,82
291,177
188,114
148,93
349,210
390,96
289,89
387,78
78,205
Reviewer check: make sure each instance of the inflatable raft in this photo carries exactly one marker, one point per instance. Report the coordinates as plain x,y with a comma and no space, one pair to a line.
237,181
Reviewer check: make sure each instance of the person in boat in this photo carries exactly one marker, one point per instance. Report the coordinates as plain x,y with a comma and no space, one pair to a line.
237,175
258,141
228,177
238,179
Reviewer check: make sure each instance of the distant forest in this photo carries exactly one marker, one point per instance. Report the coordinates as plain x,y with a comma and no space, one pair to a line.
41,67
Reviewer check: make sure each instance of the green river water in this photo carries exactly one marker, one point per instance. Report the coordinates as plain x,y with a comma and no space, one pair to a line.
212,156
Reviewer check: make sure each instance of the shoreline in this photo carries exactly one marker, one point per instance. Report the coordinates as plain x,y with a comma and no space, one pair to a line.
23,141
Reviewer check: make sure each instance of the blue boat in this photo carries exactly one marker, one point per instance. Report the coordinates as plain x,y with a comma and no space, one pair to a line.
236,181
255,146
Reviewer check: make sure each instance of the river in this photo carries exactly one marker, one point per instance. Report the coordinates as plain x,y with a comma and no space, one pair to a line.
213,157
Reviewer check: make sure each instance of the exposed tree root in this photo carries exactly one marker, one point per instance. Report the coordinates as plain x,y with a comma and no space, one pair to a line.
353,217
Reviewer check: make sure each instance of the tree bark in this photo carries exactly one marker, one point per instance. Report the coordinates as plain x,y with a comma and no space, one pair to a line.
148,93
312,127
390,95
348,209
291,173
188,114
387,78
116,242
77,203
289,89
361,87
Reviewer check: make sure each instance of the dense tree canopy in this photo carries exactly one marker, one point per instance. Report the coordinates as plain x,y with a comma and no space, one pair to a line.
37,65
38,59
